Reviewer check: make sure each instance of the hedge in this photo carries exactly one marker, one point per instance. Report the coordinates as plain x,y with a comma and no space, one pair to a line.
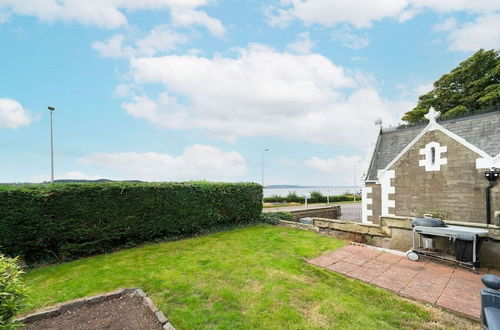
56,222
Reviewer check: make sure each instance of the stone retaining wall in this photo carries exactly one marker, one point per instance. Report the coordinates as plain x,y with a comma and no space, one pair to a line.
329,212
396,233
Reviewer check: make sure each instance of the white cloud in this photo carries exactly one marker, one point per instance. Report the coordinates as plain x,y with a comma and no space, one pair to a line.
339,169
302,45
197,162
188,16
482,33
446,25
262,92
278,17
363,13
349,39
160,39
359,13
4,17
286,161
413,88
442,6
113,47
102,13
13,115
424,88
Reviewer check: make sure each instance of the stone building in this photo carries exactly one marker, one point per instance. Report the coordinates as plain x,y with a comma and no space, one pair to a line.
434,169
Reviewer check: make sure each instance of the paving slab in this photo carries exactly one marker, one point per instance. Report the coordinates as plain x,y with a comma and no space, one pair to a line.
445,285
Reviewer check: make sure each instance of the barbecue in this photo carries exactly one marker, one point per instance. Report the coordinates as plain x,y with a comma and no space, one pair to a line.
463,242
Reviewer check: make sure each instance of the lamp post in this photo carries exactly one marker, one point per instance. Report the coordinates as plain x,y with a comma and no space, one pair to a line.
51,110
262,165
355,163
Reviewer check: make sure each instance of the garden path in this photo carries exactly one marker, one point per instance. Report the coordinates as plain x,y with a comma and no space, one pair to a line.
448,286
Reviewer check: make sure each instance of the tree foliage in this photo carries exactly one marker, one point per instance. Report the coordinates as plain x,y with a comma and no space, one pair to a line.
473,85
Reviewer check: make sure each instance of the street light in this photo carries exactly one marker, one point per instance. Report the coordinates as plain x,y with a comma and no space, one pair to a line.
262,164
51,110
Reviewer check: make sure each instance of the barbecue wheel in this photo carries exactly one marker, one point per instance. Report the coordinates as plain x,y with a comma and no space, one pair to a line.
413,256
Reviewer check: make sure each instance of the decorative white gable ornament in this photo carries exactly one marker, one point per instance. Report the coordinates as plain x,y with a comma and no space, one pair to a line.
432,115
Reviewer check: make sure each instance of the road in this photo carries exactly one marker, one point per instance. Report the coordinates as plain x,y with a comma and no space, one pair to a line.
350,211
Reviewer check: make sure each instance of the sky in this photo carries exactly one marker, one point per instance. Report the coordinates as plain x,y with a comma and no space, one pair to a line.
176,90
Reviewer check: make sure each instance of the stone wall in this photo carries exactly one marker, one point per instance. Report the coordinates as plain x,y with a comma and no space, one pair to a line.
330,212
456,191
396,233
400,231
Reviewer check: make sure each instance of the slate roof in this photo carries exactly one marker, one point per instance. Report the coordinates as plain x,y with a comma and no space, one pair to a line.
482,131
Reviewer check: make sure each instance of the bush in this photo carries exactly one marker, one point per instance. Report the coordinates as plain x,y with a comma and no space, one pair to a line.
292,197
342,198
275,217
12,292
317,197
66,221
274,199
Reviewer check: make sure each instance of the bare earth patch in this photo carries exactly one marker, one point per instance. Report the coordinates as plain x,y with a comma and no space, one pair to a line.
123,313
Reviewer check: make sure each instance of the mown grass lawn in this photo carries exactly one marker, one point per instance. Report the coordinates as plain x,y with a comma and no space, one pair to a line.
254,277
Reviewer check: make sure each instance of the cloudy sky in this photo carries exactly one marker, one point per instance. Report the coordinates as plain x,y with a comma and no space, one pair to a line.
195,89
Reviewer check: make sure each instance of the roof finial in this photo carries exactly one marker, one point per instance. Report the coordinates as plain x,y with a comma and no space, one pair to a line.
432,115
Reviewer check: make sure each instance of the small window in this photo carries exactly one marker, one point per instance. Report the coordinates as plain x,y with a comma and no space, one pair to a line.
433,155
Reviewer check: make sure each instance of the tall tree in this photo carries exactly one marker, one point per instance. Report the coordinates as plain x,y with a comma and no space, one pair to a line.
474,84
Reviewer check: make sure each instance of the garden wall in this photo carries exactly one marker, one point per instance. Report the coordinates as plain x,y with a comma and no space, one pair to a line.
330,212
395,233
66,221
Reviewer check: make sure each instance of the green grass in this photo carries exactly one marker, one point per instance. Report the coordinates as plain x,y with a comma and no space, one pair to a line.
254,277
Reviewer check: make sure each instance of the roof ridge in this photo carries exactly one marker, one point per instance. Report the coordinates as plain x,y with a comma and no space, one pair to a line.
422,124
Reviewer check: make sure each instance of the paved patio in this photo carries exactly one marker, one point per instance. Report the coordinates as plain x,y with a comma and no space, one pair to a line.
442,284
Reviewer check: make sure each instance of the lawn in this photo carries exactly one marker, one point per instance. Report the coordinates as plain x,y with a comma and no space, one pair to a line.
254,277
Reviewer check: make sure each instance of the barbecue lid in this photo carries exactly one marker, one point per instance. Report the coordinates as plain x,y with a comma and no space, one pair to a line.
428,222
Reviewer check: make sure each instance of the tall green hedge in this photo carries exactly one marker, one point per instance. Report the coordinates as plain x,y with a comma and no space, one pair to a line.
64,221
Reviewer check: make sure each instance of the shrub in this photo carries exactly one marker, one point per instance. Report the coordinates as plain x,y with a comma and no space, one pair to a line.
12,292
317,197
274,199
66,221
292,197
275,217
342,198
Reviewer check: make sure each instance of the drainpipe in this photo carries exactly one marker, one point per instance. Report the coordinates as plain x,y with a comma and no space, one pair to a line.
491,176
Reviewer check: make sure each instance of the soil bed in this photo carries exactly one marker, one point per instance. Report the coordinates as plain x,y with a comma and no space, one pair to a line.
124,313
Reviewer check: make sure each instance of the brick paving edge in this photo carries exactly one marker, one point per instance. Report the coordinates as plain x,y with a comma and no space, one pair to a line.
381,249
61,308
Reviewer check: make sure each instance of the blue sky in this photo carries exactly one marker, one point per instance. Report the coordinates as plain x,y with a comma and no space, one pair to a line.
164,90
